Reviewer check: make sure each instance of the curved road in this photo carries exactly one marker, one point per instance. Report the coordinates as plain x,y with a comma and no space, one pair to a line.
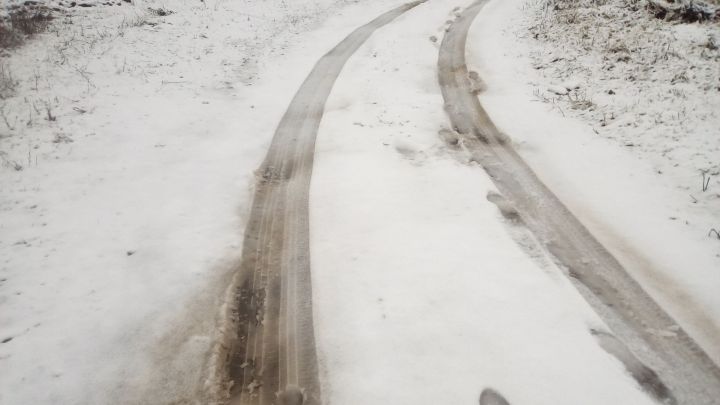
272,358
665,361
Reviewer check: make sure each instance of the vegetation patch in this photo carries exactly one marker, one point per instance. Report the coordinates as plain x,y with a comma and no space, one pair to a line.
22,23
683,10
8,84
160,12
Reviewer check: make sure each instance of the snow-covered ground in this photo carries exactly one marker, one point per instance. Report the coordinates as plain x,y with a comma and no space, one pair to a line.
128,149
651,86
121,216
634,180
424,293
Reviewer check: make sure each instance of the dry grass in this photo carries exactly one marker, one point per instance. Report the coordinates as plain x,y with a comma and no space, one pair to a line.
8,84
9,38
23,23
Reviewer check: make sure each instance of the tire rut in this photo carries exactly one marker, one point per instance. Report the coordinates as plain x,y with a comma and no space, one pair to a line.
271,356
634,317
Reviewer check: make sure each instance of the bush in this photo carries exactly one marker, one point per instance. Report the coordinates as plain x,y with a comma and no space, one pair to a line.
9,38
683,10
22,23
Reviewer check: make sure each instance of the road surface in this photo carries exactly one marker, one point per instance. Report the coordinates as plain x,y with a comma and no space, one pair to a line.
664,360
272,358
272,355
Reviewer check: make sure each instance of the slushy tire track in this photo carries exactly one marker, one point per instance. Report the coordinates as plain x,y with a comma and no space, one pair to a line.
272,356
686,374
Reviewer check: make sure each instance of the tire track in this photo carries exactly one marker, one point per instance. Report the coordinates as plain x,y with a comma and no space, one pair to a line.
271,358
642,325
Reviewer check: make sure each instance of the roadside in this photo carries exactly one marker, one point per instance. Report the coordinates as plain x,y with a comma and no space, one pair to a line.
127,172
630,180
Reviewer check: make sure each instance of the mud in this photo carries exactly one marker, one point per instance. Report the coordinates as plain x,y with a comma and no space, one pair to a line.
644,375
673,365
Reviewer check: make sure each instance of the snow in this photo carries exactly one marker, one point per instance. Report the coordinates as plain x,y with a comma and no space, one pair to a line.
423,293
127,156
634,198
117,242
650,85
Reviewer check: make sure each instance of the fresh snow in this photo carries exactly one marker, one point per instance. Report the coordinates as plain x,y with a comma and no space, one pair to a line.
127,160
120,233
645,216
423,293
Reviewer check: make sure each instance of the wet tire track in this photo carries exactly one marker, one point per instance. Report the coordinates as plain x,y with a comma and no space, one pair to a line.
271,357
635,318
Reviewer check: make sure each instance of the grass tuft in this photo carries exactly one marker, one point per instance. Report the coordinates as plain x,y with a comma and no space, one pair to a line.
8,84
23,23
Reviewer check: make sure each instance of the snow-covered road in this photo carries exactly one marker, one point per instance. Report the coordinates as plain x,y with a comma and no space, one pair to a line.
272,355
437,264
632,314
389,196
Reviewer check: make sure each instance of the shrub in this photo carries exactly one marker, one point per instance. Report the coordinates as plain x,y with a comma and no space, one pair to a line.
21,23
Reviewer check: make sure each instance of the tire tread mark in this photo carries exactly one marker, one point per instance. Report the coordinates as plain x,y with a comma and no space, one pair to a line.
273,342
635,318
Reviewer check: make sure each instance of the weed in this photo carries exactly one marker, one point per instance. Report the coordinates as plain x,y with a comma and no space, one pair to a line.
678,93
7,162
6,119
30,22
712,43
132,22
683,11
85,74
48,111
705,180
8,84
680,77
23,23
160,12
62,138
539,96
580,101
9,38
